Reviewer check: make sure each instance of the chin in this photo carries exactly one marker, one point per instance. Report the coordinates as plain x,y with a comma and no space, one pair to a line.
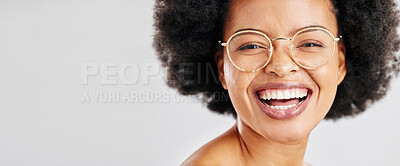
287,133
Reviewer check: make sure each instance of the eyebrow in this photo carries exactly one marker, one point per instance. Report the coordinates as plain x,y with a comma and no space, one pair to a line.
291,33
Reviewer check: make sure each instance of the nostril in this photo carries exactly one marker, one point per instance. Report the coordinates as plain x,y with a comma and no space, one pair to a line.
282,70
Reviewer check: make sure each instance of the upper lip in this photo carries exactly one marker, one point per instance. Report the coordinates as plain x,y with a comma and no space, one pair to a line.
284,85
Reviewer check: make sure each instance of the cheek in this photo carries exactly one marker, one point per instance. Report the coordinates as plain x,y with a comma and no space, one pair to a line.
326,79
237,83
236,79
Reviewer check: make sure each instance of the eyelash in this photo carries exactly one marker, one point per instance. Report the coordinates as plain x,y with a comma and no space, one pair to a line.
316,44
246,46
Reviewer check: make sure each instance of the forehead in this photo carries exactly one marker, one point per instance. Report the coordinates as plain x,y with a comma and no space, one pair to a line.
280,18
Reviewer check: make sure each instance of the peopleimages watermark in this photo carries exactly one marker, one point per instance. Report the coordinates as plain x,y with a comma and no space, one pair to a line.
119,73
134,74
141,75
132,97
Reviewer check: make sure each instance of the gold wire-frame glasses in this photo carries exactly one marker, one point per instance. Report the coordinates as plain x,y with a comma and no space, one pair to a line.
270,47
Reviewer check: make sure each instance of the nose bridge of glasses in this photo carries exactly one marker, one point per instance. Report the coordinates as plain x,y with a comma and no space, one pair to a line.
281,38
281,61
284,49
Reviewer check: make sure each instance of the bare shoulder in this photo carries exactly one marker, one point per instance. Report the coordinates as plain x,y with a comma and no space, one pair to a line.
223,150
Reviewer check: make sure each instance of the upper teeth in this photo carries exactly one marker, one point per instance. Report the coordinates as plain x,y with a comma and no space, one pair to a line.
283,94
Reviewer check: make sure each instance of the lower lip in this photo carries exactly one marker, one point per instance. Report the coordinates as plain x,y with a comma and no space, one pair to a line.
284,114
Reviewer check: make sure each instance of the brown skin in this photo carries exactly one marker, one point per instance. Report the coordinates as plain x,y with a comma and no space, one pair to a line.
257,139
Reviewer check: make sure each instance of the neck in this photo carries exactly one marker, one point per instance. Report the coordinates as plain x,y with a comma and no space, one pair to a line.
259,150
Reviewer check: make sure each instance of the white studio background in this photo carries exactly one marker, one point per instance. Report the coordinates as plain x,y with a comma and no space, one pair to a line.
45,119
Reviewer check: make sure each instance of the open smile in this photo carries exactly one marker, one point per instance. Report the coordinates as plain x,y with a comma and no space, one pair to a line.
283,100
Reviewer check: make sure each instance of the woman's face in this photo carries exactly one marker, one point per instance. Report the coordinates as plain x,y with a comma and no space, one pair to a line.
282,19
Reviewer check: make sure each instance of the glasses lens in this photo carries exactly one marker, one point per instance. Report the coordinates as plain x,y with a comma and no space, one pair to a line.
249,51
313,48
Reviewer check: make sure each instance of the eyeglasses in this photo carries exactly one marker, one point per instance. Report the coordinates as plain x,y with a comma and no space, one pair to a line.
310,48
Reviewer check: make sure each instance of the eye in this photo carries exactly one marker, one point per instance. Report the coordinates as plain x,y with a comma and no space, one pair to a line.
250,46
311,44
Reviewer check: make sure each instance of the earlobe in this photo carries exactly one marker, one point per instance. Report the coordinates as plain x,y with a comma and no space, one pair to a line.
219,60
342,70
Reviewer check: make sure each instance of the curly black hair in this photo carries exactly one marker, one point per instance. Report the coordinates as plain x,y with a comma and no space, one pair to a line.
187,31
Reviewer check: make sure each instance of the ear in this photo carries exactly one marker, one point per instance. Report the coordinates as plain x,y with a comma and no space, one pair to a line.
219,60
342,63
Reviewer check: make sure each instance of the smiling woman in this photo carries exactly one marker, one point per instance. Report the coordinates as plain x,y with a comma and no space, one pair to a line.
286,65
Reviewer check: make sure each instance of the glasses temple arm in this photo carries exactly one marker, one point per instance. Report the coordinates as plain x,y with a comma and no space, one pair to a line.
222,44
338,39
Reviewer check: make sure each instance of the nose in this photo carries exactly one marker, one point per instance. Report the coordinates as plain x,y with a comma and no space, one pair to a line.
281,63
